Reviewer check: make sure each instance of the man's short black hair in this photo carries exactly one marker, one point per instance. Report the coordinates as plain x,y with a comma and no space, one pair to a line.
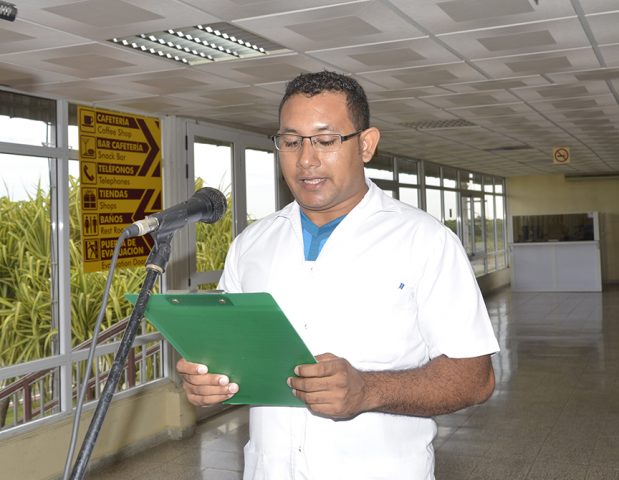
311,84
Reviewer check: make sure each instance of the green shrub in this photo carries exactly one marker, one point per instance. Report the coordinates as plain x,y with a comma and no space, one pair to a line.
27,331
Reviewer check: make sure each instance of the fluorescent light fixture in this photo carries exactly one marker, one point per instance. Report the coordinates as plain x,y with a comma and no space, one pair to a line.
8,11
201,44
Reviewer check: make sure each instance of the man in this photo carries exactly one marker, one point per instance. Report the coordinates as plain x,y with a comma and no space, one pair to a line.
382,287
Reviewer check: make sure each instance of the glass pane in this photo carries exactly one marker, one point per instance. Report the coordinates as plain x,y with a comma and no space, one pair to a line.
260,181
28,330
27,120
433,174
450,177
451,210
491,260
488,184
433,202
213,168
568,227
489,211
378,174
499,185
213,165
381,167
472,235
410,196
499,214
73,138
470,181
501,261
408,171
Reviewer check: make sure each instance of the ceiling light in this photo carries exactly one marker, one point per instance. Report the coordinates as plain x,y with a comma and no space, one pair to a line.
8,11
201,44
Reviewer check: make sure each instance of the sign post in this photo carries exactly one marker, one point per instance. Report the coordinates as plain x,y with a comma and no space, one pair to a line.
120,178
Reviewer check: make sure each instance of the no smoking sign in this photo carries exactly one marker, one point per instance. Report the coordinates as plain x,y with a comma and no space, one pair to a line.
561,155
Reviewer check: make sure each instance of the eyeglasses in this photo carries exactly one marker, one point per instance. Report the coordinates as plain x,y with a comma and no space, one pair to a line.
323,142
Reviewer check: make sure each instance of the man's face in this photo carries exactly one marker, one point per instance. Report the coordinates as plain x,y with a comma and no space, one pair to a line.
326,185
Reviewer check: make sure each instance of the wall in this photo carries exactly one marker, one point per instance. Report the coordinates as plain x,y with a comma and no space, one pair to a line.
540,195
158,412
493,281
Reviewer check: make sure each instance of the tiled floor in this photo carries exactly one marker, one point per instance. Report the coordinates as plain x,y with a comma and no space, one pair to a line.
554,414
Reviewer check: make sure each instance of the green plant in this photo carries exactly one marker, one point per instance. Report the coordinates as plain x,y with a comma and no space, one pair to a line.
27,328
213,240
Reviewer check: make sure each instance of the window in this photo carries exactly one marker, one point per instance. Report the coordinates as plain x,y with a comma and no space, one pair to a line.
432,174
27,120
410,195
433,203
213,168
48,305
470,204
450,177
408,171
451,210
260,183
380,167
29,331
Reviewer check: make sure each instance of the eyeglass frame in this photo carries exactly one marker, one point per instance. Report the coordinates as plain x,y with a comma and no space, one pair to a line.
343,138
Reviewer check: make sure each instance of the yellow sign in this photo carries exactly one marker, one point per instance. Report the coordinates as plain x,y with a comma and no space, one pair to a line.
120,178
561,155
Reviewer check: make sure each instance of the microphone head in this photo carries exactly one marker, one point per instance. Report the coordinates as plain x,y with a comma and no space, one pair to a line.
214,202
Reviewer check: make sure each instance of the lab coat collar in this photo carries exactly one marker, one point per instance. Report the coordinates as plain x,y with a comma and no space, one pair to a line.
374,201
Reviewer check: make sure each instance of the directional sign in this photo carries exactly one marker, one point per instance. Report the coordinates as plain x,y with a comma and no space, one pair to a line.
120,178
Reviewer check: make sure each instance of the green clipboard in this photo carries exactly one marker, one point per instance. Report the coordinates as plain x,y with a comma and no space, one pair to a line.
245,336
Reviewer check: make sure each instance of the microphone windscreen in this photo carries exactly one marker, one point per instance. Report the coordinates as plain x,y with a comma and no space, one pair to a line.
215,203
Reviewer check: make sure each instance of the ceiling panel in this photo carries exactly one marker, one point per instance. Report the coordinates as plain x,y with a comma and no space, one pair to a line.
444,16
489,85
337,26
544,36
416,52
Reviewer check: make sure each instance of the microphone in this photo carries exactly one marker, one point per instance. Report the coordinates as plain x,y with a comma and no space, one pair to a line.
207,205
8,11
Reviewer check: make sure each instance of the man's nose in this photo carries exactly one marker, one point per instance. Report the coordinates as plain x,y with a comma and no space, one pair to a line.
307,154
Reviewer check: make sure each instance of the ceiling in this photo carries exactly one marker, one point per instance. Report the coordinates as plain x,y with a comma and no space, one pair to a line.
493,86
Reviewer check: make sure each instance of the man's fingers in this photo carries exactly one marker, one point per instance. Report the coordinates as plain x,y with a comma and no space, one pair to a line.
183,366
203,388
309,384
323,368
203,399
325,357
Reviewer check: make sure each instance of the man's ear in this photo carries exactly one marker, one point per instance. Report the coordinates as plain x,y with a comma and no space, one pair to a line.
369,142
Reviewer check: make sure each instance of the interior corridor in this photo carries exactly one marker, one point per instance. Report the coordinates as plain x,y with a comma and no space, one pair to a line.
554,413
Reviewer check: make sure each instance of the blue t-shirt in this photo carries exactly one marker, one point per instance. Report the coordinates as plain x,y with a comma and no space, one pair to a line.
314,237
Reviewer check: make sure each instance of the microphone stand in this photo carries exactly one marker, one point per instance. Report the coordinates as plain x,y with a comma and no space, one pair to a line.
155,266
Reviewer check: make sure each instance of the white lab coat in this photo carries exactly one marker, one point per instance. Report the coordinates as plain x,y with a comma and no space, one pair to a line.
391,289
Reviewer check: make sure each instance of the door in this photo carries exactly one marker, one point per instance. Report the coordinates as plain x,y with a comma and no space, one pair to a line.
242,166
473,235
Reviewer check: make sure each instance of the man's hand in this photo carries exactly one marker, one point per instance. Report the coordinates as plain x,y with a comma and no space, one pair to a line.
332,387
203,388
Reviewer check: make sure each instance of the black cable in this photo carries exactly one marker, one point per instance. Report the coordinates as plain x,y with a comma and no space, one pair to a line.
91,354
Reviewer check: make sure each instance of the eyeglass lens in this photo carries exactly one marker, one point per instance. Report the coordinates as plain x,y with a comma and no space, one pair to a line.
324,142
